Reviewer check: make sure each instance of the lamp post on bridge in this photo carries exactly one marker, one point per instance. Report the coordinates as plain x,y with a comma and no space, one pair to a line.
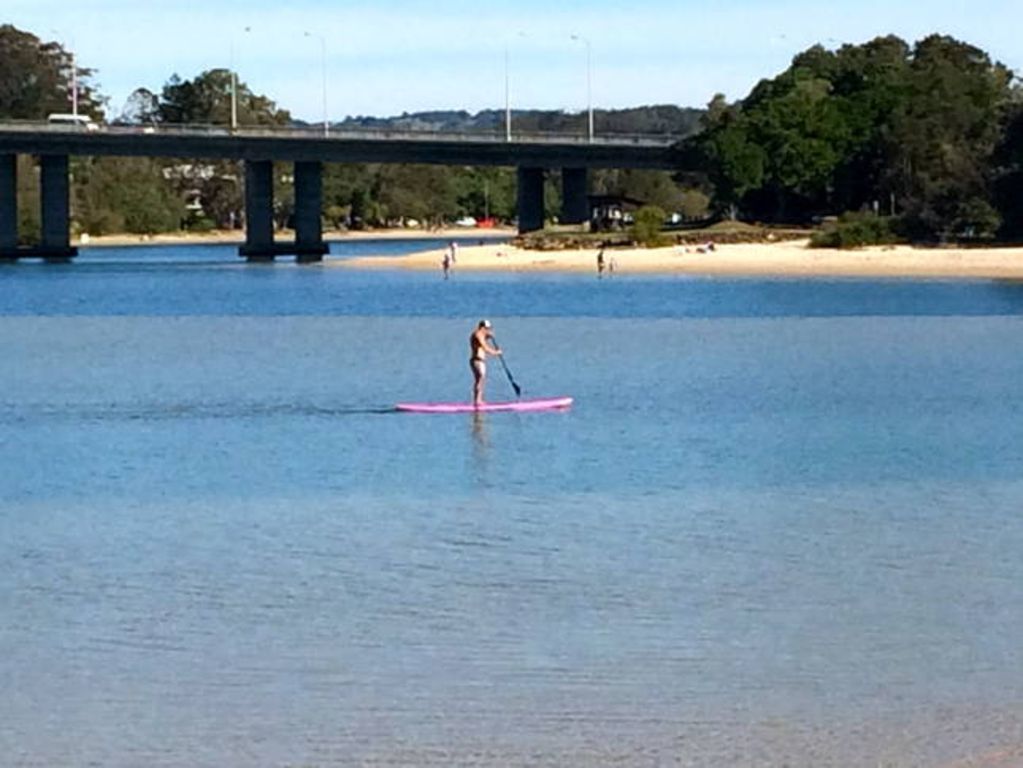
507,97
74,85
74,73
589,83
323,78
507,91
234,86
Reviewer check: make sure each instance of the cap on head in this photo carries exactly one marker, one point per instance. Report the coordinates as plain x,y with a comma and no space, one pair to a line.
484,324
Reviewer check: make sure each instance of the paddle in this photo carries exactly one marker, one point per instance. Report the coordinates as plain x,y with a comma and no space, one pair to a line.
511,380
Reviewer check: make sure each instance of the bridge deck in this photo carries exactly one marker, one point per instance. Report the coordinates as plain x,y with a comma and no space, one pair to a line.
530,150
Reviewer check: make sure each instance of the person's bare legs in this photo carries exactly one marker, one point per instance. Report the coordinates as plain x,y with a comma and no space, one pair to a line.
479,379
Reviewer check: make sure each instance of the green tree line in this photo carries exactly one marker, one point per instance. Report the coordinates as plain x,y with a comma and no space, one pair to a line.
927,137
139,195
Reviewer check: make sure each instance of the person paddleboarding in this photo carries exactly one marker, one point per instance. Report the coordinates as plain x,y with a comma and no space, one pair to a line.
481,344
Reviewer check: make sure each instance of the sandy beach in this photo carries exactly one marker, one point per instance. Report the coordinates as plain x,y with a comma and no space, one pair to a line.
792,258
778,259
238,236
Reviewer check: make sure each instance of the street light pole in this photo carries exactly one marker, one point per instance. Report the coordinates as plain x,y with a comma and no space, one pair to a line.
234,91
507,88
323,78
589,84
74,86
234,87
323,72
234,95
74,71
507,97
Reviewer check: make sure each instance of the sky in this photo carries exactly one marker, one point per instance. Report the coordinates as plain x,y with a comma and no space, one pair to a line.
401,56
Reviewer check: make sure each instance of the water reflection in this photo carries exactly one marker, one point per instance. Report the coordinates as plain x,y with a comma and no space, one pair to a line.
228,526
480,448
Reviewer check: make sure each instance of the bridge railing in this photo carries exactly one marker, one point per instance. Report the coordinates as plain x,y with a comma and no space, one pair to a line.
342,134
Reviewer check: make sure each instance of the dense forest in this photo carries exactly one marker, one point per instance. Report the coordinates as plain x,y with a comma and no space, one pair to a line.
924,141
928,139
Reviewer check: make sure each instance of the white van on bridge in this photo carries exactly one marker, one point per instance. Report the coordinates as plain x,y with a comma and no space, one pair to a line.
72,121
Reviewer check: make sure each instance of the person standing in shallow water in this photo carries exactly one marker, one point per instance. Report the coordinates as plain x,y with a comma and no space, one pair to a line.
481,344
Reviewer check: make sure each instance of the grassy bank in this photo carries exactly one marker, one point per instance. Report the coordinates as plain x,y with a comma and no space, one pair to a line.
725,232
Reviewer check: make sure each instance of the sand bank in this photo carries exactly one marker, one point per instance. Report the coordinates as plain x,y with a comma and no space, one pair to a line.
238,236
781,259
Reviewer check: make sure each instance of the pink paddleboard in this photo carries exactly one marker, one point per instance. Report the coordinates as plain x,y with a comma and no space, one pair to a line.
541,404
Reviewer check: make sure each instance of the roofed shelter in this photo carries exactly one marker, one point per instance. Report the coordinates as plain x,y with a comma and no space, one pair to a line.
607,212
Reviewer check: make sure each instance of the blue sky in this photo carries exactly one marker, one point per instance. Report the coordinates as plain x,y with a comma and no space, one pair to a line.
407,56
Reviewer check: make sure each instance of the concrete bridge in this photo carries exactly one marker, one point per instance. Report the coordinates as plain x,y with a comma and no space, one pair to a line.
532,155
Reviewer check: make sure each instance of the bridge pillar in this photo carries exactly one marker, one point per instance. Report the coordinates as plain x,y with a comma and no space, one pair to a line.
309,245
55,193
8,205
259,211
575,205
530,199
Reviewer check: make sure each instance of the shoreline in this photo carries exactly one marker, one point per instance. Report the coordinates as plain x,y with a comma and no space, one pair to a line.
237,236
777,259
791,258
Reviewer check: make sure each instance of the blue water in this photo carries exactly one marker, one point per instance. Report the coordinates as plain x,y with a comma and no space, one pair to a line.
213,281
780,526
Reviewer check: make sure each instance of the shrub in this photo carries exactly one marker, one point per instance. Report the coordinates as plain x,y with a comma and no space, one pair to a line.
101,222
200,224
695,204
646,227
856,230
336,215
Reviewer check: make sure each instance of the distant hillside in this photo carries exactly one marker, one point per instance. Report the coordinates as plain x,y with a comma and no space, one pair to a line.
661,119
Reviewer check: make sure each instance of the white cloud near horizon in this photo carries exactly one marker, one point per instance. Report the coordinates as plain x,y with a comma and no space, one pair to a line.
406,56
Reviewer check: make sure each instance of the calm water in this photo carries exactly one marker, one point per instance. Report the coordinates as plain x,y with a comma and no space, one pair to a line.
781,526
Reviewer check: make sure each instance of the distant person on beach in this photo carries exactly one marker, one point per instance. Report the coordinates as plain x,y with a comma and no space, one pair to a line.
481,344
453,249
445,264
612,265
600,262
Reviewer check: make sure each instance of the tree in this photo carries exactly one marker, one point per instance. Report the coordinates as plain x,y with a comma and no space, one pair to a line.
944,136
36,78
29,224
420,192
1008,182
732,161
870,81
653,187
207,100
695,204
361,208
844,130
124,194
647,224
345,193
141,108
220,195
482,192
